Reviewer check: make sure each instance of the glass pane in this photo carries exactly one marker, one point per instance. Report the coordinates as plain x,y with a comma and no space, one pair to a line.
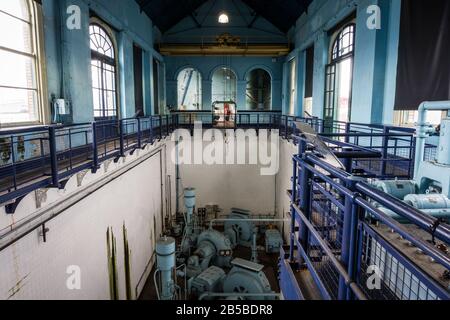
100,41
16,8
18,105
97,101
15,34
344,85
95,75
189,89
224,84
16,70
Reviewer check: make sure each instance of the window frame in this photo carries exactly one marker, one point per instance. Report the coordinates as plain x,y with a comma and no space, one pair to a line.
37,54
270,93
339,35
235,80
331,70
200,87
104,59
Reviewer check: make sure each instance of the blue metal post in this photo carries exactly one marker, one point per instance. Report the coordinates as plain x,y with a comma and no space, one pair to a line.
53,156
345,246
293,200
167,126
353,253
95,163
385,150
151,130
305,194
122,137
347,132
139,134
286,124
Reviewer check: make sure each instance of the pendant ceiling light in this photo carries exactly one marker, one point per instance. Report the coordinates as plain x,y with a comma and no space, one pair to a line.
223,18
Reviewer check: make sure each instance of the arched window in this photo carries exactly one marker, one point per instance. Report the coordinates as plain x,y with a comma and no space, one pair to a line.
19,75
224,85
344,44
339,76
103,66
259,90
189,84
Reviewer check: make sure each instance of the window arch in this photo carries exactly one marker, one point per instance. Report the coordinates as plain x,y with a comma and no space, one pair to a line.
339,76
224,85
189,88
344,43
259,90
20,85
104,76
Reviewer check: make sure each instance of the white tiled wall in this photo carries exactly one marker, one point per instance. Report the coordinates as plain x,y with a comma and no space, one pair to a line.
32,269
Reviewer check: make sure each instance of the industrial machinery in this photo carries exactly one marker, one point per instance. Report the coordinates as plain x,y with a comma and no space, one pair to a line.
165,257
273,241
244,278
429,191
247,277
238,228
210,280
205,255
192,227
212,248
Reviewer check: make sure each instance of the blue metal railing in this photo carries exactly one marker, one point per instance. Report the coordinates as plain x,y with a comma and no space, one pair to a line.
338,234
46,156
43,156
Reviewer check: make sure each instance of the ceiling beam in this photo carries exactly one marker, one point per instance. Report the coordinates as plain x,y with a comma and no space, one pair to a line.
195,20
256,17
145,5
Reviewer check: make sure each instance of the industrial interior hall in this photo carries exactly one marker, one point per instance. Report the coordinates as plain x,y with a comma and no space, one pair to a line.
222,150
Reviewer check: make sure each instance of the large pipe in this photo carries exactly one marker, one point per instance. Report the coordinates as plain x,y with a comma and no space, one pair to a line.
252,220
422,220
423,129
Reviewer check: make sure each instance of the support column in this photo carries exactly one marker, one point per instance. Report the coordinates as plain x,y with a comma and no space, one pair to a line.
320,61
147,83
126,75
284,96
370,65
76,64
206,94
300,81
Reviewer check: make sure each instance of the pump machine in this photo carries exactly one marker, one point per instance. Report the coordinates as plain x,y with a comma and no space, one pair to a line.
206,257
429,191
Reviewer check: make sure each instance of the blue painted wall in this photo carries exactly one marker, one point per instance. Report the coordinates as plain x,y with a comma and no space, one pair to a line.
375,64
187,31
68,53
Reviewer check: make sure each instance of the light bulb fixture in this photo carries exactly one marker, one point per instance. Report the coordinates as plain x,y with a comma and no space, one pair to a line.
223,18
